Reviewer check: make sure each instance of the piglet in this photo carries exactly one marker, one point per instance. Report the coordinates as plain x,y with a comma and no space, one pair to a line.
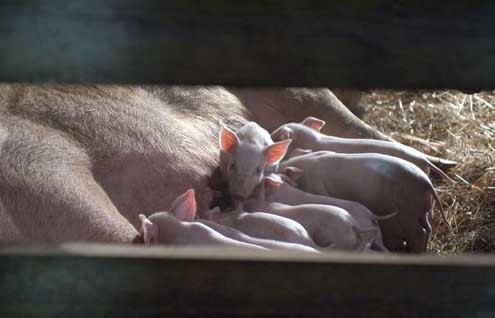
280,188
245,157
240,236
264,225
306,135
382,183
330,227
177,227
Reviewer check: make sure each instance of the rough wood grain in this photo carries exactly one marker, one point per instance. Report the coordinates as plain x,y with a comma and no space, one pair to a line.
361,44
89,281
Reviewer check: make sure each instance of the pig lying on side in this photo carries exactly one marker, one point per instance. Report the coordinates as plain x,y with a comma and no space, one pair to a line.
265,226
279,189
240,236
329,226
382,183
177,227
307,135
244,158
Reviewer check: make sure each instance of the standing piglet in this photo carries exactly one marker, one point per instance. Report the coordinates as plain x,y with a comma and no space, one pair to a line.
382,183
245,157
177,227
306,135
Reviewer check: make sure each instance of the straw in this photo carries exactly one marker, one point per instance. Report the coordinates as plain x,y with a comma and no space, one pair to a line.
441,125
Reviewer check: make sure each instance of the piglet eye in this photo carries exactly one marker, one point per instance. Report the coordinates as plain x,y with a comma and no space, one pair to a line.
258,170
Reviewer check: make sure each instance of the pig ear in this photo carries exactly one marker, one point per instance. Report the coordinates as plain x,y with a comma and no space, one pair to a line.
184,207
149,229
228,139
273,181
285,133
313,123
275,152
293,173
211,214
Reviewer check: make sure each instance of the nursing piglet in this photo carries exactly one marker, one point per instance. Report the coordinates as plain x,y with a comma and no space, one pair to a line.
306,135
177,227
244,158
384,184
264,225
240,236
278,188
329,226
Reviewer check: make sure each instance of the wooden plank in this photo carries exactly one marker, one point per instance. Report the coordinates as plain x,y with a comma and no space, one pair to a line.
124,281
362,44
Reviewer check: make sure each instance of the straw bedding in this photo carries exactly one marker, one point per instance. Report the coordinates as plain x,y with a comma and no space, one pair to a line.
458,127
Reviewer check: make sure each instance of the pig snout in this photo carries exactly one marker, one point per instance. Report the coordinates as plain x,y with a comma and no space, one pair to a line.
241,190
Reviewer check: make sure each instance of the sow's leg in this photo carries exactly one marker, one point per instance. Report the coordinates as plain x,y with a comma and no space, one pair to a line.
276,106
47,191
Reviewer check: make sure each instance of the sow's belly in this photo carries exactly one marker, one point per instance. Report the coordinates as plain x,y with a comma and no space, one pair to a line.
146,174
146,146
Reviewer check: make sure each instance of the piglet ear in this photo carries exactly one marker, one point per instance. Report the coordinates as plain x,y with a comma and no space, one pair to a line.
149,229
293,173
213,213
273,181
184,207
228,139
285,133
275,152
313,123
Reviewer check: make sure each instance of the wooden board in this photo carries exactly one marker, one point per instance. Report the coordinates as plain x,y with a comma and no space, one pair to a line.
129,281
361,44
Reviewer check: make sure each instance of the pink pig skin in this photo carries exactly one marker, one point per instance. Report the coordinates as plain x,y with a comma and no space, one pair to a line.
382,183
284,192
267,243
306,135
177,227
265,226
245,157
330,227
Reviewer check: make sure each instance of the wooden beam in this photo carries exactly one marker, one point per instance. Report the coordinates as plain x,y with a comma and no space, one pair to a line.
129,281
362,44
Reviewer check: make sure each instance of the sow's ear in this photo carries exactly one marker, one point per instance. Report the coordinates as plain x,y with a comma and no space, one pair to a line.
149,229
228,139
184,207
313,123
274,153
